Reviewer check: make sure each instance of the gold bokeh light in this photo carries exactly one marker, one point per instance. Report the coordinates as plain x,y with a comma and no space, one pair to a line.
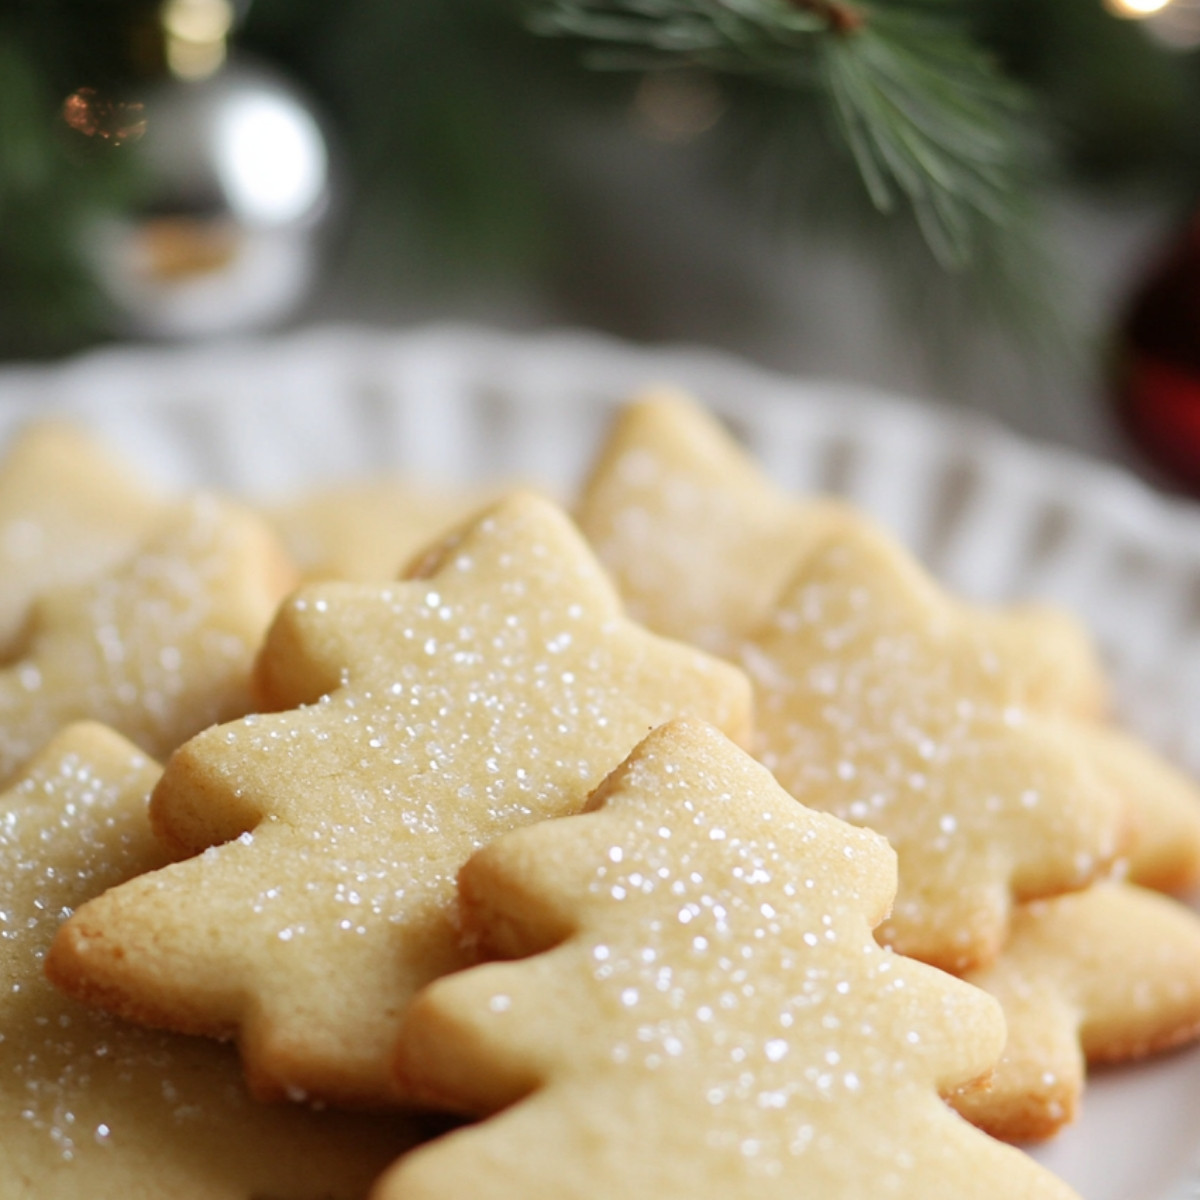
1136,9
196,32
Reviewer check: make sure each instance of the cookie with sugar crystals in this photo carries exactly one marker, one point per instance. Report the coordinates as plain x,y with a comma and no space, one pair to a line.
369,531
880,700
1164,845
700,542
91,1106
1106,975
160,645
695,536
705,1013
420,720
68,510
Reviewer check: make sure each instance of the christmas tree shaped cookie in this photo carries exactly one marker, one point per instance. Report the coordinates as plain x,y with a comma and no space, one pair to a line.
1105,975
696,538
880,700
68,510
421,719
91,1106
159,646
706,1013
700,543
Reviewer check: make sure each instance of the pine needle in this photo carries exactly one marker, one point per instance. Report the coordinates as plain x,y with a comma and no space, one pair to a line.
926,115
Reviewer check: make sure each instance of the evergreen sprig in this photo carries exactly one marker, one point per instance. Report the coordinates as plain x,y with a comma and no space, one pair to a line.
925,112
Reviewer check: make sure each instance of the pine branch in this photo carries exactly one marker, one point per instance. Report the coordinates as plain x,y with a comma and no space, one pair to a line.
924,112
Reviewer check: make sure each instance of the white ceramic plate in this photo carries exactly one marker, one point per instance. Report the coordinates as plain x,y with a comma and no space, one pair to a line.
996,518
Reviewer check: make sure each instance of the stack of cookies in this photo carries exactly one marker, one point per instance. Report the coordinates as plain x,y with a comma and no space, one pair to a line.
686,842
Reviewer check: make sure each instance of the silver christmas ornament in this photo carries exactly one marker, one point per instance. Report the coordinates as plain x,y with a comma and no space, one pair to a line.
237,188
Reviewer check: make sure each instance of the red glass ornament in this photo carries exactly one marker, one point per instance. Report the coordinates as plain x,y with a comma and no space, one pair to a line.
1159,364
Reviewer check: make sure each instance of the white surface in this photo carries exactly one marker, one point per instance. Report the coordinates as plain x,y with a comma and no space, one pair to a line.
995,517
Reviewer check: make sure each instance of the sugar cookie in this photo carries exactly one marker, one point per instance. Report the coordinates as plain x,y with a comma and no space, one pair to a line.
91,1106
1105,975
706,1014
159,646
696,538
422,719
68,510
883,702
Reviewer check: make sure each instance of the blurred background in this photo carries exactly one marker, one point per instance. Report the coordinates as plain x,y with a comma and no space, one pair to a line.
993,203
